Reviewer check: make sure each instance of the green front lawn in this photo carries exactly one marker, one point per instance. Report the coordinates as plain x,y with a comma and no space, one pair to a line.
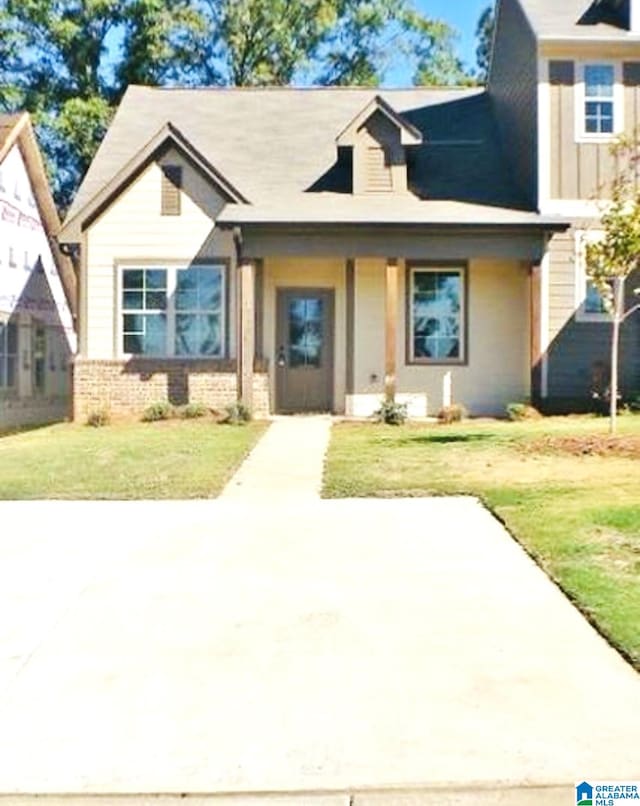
172,459
577,513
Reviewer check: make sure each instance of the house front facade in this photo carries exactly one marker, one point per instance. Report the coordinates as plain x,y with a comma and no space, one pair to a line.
37,288
318,250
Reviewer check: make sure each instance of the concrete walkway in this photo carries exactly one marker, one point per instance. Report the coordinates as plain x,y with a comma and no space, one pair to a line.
286,464
372,651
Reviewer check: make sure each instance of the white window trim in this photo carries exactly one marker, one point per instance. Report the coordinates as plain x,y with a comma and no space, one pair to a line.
618,102
462,360
582,237
172,270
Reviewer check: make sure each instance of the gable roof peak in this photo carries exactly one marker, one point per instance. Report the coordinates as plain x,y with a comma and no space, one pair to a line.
409,135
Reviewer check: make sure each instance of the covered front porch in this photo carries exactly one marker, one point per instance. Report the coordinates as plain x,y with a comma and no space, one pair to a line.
345,319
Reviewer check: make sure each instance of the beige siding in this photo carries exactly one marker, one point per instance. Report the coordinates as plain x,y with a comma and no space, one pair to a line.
582,170
327,273
577,346
132,229
498,369
513,92
562,280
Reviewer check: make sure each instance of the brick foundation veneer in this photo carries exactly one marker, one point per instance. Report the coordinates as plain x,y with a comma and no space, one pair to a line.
126,388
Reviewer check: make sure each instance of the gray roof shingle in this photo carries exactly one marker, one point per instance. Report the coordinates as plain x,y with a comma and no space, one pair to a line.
280,143
579,19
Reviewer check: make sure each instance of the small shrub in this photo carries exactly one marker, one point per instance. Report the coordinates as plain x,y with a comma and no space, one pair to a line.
158,411
194,410
99,418
237,414
522,411
454,413
391,413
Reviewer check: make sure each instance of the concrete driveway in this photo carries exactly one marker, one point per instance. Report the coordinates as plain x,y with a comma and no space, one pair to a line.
373,649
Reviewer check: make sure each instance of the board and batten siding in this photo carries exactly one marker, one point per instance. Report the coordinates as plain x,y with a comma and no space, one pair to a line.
575,347
132,229
583,170
513,90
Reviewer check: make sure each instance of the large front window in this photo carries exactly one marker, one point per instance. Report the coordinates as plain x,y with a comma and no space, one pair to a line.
437,303
8,354
173,311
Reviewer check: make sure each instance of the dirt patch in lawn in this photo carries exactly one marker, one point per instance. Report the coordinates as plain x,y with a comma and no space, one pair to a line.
627,447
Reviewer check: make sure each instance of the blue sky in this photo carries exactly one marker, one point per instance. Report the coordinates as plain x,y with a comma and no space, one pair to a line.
462,15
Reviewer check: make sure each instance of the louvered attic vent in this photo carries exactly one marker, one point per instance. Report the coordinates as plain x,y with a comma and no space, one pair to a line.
171,187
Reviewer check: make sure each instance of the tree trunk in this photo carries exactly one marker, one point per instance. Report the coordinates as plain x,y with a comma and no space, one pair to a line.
618,314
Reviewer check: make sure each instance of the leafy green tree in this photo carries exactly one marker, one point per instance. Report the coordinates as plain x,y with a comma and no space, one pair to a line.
612,259
68,62
438,64
484,37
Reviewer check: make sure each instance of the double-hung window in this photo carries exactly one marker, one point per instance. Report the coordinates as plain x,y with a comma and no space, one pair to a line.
589,303
437,301
600,106
173,311
8,354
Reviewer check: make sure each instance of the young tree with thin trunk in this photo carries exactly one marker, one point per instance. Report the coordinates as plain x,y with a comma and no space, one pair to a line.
614,258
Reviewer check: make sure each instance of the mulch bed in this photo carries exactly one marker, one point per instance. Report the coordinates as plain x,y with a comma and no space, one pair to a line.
588,445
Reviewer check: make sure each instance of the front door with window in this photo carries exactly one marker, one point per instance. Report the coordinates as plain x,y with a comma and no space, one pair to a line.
304,350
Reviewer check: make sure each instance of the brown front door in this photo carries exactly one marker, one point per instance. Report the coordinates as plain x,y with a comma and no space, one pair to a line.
304,350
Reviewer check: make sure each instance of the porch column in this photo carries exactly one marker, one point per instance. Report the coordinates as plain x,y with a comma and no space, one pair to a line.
539,313
391,328
246,331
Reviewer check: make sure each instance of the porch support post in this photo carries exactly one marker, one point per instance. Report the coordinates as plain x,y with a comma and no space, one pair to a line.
539,289
246,331
391,328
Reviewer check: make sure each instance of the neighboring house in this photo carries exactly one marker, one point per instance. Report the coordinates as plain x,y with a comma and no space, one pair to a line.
37,287
312,250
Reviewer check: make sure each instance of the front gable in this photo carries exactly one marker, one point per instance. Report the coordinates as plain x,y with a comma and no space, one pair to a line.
168,140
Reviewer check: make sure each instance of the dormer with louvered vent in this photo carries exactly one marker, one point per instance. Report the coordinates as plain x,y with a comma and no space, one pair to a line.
379,137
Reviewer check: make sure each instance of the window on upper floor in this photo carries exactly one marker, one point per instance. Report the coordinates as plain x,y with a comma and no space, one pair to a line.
173,311
437,314
590,306
600,102
171,190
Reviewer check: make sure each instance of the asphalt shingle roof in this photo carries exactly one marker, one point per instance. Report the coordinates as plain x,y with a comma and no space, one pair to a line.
279,143
579,19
